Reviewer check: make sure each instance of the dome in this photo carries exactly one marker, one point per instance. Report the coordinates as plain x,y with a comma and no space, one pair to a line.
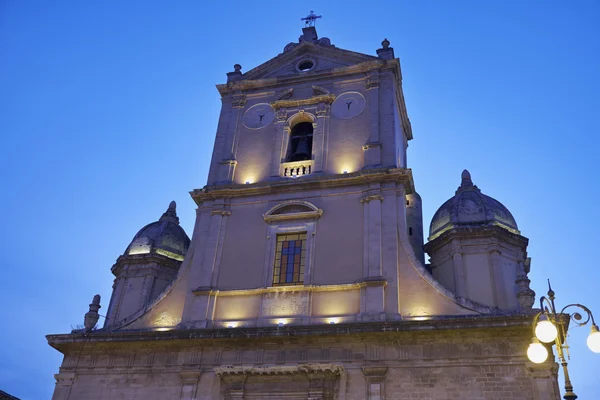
470,207
165,237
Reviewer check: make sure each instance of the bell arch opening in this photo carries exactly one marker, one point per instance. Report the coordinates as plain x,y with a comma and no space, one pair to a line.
300,143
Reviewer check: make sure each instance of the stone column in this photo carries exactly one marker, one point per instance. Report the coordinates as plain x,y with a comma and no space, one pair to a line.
460,283
372,149
282,134
64,382
499,287
374,297
321,129
227,161
189,384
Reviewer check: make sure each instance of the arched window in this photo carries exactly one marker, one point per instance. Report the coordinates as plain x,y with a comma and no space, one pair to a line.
300,145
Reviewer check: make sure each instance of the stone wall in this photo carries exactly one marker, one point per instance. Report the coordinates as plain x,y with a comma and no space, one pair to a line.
406,360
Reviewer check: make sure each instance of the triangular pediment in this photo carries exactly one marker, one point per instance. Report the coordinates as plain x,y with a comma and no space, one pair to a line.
306,58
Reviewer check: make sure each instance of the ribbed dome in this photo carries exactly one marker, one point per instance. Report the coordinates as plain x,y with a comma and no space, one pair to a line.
165,237
470,207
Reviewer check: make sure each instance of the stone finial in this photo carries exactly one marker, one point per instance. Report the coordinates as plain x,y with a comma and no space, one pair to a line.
236,75
466,183
466,179
91,317
386,52
171,214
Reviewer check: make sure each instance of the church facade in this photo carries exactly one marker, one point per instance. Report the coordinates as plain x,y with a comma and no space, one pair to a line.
305,277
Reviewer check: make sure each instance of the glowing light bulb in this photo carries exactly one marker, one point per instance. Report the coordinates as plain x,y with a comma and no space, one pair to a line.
545,330
593,341
536,352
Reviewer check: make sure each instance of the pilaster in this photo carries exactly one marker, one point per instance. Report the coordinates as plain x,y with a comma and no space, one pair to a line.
375,382
227,161
189,384
64,382
320,134
373,301
372,149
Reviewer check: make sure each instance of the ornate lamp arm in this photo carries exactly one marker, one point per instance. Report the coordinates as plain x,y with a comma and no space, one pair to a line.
576,317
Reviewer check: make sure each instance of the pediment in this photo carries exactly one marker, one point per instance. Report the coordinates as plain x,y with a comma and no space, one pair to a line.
291,63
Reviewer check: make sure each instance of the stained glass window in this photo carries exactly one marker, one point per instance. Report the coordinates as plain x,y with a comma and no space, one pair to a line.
290,259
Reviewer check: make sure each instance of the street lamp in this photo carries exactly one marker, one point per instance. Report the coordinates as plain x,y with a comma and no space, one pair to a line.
549,327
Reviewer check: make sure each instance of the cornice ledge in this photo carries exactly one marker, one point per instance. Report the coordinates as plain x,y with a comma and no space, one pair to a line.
372,281
326,98
134,259
205,290
480,230
249,84
291,216
332,369
374,371
403,175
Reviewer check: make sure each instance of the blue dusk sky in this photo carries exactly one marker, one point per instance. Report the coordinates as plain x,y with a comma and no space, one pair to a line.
108,111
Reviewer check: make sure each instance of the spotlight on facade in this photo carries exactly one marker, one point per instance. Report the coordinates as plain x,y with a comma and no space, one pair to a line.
333,320
281,322
550,326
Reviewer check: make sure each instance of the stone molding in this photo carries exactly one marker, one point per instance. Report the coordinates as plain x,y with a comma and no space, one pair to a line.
333,369
222,212
312,211
137,259
368,198
277,185
65,378
327,99
472,231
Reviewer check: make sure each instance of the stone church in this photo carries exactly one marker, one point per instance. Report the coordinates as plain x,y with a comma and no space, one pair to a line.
305,277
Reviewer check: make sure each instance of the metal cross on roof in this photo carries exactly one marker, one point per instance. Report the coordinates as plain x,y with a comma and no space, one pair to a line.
310,19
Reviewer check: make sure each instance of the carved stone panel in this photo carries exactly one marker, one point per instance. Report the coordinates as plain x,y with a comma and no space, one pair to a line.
280,304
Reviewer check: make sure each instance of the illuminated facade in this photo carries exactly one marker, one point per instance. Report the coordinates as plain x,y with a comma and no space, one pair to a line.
305,276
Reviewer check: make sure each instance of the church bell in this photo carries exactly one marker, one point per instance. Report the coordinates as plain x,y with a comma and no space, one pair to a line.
301,142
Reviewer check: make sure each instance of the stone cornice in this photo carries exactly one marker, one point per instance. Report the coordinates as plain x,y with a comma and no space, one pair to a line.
327,99
312,181
475,231
360,68
137,259
68,342
376,281
330,369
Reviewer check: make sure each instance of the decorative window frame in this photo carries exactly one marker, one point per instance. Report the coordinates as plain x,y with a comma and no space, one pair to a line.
290,223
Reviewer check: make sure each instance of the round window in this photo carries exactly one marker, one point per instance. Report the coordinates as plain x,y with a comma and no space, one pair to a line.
306,65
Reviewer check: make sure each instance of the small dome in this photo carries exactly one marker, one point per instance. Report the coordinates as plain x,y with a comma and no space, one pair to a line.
165,237
470,207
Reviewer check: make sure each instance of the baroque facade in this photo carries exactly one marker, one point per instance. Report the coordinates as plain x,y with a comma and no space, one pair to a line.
305,277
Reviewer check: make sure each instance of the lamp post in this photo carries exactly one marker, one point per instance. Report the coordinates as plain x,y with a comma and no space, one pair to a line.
549,327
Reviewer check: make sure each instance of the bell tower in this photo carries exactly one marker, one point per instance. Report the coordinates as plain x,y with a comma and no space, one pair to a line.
305,277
